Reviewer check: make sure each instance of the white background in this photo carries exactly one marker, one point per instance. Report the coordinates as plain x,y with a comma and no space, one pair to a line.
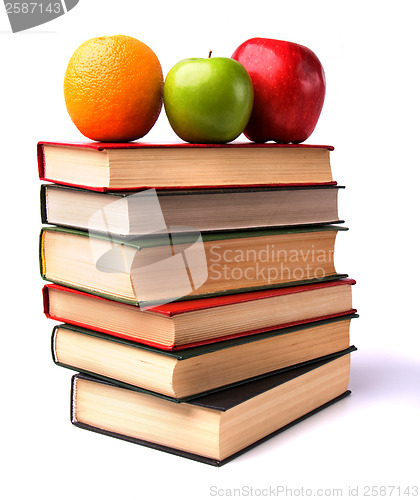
370,53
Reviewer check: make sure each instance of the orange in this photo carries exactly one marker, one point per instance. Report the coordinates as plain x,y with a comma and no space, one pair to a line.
113,88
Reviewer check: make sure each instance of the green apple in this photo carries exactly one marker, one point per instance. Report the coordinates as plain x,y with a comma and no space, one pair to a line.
208,100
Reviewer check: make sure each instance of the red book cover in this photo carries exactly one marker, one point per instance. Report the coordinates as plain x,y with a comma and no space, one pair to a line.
175,308
102,146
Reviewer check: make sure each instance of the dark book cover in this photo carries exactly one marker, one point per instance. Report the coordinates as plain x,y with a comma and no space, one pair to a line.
116,195
194,352
222,401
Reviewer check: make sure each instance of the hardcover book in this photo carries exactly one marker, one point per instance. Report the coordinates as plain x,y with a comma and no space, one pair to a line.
186,373
193,322
160,269
217,427
203,209
105,166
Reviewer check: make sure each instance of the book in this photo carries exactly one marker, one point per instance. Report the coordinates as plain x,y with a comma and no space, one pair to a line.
203,209
186,373
112,166
215,428
190,323
160,269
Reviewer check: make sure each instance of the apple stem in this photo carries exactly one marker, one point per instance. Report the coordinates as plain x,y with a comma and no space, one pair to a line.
210,53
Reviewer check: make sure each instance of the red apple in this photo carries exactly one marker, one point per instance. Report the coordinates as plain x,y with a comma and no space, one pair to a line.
289,89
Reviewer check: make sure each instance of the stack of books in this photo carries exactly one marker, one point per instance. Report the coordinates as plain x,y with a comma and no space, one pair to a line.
196,290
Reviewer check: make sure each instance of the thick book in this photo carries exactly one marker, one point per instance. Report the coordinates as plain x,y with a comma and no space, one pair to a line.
199,321
113,166
156,270
186,373
125,212
218,427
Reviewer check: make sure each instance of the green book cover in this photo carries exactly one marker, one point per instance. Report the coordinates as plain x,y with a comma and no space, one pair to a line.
230,240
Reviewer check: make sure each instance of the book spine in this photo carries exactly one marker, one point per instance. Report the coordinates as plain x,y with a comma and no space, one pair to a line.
46,302
41,161
41,254
43,203
53,350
